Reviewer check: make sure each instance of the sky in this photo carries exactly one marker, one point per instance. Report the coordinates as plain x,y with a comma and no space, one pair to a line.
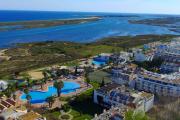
120,6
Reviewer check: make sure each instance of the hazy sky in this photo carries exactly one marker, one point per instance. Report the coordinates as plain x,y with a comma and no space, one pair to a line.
128,6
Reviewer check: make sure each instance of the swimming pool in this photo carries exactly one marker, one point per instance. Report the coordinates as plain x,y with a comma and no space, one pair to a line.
40,96
98,63
100,60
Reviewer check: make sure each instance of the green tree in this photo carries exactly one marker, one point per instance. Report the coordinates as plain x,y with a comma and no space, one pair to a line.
10,89
45,76
50,100
103,82
28,81
66,107
87,79
75,71
14,96
26,91
42,83
58,85
7,93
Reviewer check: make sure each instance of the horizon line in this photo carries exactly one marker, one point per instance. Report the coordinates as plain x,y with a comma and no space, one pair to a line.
92,12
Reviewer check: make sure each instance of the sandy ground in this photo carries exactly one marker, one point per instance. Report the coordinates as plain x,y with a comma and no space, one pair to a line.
3,56
35,74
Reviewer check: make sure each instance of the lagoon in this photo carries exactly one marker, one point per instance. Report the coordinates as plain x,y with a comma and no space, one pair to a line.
111,24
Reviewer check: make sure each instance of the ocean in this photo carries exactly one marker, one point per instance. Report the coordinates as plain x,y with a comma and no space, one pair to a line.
111,24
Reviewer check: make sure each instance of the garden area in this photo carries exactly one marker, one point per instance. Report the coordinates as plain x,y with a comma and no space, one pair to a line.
83,106
79,108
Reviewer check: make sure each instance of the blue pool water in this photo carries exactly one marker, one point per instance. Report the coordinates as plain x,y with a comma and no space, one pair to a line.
100,60
40,97
98,63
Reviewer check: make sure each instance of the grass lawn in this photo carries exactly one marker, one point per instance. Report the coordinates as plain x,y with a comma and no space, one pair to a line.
97,76
54,115
97,49
71,63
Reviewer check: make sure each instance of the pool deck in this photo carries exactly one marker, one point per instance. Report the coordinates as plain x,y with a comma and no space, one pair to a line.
79,80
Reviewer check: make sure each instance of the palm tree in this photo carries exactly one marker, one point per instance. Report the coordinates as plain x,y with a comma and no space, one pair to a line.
7,93
103,82
28,81
87,79
45,80
45,76
26,91
75,71
28,98
14,96
50,100
58,85
10,89
16,84
42,83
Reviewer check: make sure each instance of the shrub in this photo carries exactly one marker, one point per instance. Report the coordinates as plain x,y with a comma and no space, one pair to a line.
65,117
66,107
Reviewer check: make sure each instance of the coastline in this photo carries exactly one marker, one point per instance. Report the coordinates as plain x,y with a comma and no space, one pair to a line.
21,25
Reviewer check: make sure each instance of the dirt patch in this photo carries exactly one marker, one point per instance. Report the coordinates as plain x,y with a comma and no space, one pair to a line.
35,74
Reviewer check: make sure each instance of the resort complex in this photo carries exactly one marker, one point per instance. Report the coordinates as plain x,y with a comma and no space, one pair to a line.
89,59
112,85
128,78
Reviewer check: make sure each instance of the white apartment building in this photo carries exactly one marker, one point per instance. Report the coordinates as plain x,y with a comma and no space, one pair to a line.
124,74
170,53
167,85
116,95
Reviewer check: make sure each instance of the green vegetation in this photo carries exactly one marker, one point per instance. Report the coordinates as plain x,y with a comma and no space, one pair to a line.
35,55
58,85
52,114
127,42
83,106
50,100
66,107
71,63
153,65
135,115
42,23
65,117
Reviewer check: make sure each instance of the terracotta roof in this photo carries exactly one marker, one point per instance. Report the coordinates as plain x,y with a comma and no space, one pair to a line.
12,102
4,103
